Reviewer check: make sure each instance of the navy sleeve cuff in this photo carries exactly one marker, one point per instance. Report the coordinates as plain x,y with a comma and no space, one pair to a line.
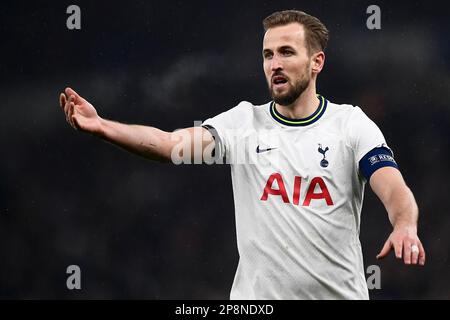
211,130
214,135
375,159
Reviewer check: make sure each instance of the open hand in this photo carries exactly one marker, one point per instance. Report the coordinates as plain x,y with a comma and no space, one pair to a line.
80,114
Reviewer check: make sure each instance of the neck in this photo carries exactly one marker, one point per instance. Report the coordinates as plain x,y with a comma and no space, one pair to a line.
303,107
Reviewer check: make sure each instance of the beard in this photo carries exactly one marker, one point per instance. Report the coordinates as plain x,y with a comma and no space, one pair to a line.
289,97
294,91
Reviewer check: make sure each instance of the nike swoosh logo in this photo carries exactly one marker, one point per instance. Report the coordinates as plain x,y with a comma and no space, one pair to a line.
258,150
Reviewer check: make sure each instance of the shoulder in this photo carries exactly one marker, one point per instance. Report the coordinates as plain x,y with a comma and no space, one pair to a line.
243,107
346,114
250,108
352,123
361,133
243,113
343,110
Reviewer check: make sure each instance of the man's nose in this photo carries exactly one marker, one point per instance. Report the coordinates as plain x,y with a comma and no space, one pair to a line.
276,64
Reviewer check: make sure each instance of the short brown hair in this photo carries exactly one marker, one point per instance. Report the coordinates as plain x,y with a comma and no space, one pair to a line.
316,34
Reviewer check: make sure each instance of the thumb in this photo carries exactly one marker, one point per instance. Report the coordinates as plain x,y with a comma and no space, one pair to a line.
386,248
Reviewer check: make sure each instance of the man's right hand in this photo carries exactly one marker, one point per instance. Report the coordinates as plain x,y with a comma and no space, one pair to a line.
148,142
80,114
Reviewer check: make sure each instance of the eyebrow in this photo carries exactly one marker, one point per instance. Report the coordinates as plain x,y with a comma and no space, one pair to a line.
280,49
286,47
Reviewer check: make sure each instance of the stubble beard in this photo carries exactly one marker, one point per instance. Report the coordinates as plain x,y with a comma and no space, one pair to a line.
294,91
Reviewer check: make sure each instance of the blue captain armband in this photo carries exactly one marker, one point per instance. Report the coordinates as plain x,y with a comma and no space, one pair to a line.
375,159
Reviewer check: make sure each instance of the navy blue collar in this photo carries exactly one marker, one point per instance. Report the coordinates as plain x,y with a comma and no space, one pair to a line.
299,122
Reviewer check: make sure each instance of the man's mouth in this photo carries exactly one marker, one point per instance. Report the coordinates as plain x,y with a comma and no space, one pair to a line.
279,81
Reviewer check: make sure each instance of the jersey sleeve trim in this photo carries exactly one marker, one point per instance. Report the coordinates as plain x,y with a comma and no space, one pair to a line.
214,134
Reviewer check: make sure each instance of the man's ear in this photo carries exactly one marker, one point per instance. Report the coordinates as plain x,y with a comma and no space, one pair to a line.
317,61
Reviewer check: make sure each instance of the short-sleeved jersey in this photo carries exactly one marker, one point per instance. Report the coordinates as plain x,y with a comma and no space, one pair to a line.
298,196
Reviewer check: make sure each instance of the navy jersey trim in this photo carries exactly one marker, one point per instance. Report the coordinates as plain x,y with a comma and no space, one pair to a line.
211,129
299,122
375,159
214,134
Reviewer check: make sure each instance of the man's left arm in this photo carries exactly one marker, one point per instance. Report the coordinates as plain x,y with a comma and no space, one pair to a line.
397,198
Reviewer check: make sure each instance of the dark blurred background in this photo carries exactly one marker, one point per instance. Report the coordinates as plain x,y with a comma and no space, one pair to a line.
146,230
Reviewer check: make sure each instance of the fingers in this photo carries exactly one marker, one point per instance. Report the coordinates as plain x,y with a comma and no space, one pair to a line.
66,108
70,92
69,108
75,122
77,98
414,253
407,253
407,248
421,254
386,248
70,114
66,103
62,100
398,247
68,100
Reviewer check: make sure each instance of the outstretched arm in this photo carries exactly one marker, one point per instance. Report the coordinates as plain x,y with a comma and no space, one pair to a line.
149,142
389,186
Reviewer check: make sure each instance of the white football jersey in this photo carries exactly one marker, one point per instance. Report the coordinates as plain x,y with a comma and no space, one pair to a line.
298,196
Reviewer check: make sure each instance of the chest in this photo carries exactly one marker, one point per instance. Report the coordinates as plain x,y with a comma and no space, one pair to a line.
306,153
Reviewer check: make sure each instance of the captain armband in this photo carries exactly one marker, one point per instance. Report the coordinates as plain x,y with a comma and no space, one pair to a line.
375,159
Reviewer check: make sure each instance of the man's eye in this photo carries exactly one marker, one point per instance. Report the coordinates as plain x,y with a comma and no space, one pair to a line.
268,55
287,53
